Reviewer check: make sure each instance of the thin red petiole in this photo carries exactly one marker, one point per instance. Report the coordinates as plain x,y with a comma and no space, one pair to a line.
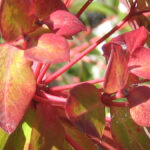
72,142
37,70
83,8
85,52
67,3
70,86
42,73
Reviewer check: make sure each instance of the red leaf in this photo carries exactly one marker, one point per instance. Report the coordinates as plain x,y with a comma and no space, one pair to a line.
127,134
51,48
128,41
139,62
43,8
139,100
16,18
17,86
117,70
47,132
65,23
86,111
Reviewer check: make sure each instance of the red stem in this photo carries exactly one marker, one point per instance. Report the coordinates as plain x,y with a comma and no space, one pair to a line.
72,142
83,8
50,99
67,3
55,100
37,70
85,52
42,73
70,86
119,104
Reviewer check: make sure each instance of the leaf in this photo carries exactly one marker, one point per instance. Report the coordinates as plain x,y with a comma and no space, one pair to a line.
139,100
16,18
64,23
19,140
128,41
139,62
108,142
47,132
43,8
127,134
51,48
86,111
17,86
73,135
3,138
117,70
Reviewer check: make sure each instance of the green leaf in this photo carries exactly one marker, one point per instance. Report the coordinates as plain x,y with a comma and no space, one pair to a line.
127,134
3,138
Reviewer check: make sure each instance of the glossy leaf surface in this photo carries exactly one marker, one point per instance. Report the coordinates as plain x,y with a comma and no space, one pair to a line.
139,100
86,111
139,62
47,132
117,70
66,24
51,48
17,86
16,18
127,134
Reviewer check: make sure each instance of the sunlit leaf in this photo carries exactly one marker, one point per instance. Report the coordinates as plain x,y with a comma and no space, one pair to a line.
139,100
47,132
51,48
17,86
127,134
16,18
65,23
139,63
117,70
86,111
20,139
3,138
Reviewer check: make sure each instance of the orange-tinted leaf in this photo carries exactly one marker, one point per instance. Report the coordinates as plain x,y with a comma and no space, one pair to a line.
43,8
86,111
139,100
47,132
117,70
51,48
17,86
139,63
65,23
16,18
78,138
126,133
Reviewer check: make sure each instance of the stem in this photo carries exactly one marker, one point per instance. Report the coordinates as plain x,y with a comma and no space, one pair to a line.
72,142
52,101
83,8
37,70
42,73
55,100
85,52
70,86
67,3
119,104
